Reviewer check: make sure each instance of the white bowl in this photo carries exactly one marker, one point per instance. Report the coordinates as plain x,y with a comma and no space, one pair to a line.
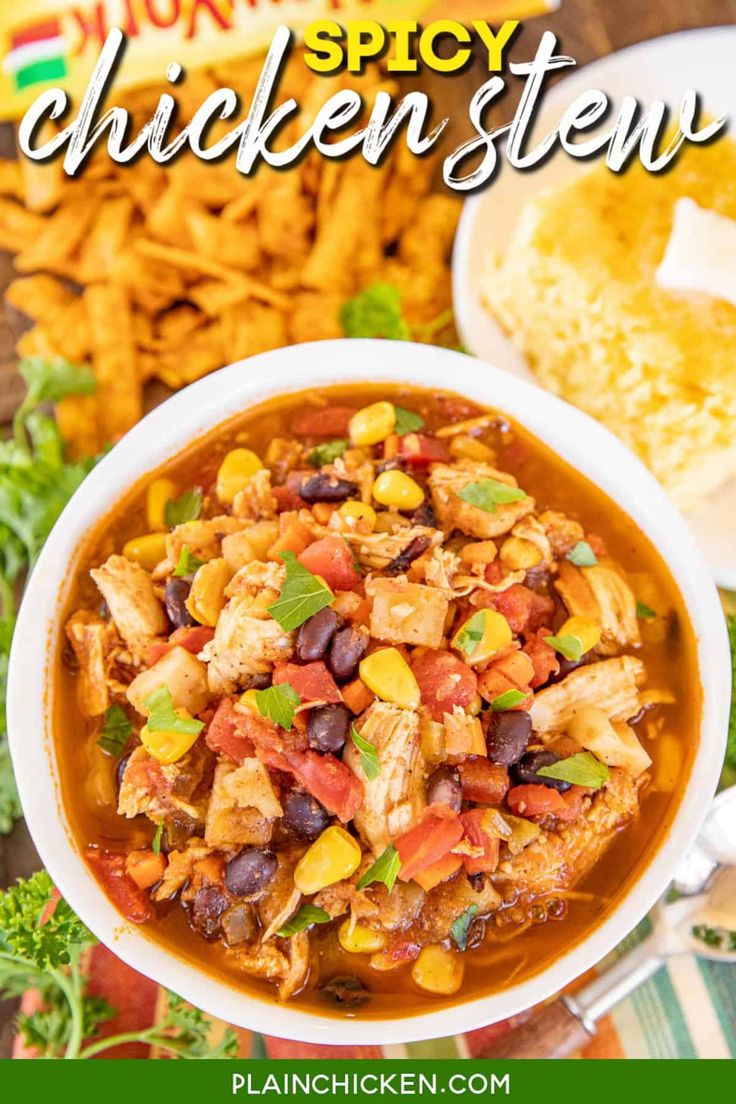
165,432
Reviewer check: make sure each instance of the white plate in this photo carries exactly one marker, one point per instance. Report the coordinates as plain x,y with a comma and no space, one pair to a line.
660,69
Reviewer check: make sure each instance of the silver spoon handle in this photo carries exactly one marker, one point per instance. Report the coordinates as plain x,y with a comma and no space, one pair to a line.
603,993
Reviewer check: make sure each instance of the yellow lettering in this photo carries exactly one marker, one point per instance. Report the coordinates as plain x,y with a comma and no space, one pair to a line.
400,59
327,55
366,39
435,30
495,41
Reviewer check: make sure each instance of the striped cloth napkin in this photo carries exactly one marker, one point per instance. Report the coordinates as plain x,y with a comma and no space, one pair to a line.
687,1010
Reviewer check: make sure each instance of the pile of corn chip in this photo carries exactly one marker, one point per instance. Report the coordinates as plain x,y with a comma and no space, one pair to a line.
148,272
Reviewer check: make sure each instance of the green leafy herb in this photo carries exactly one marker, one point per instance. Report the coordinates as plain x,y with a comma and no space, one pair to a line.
187,507
116,731
49,381
582,769
487,494
460,928
327,453
162,716
582,555
407,421
471,634
304,918
569,646
645,612
302,595
731,746
718,938
279,703
156,841
187,565
507,700
385,869
369,762
375,312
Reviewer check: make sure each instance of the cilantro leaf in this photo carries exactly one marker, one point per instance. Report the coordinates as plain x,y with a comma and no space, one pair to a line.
582,769
116,731
487,494
302,595
385,869
304,918
370,764
156,841
460,928
375,312
582,555
49,381
187,565
645,612
407,421
187,507
326,453
471,634
569,646
507,700
162,716
278,703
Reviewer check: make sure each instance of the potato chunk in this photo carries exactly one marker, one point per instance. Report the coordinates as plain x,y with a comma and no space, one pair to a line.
230,824
407,613
183,674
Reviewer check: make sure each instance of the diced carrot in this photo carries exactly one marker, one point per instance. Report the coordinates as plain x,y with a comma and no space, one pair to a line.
352,606
438,872
145,867
534,800
357,696
391,446
293,537
543,657
427,842
323,511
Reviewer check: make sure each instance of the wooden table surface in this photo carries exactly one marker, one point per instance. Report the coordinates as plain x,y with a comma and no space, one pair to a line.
586,29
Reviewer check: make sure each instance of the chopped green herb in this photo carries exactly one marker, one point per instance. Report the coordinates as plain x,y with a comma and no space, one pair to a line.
375,312
471,634
582,769
187,565
569,646
645,612
304,918
369,762
162,717
49,381
582,555
116,731
385,869
327,453
718,938
460,928
278,703
487,494
156,841
407,421
302,595
187,507
507,700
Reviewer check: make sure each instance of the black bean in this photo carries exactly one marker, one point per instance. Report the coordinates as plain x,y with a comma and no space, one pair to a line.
120,771
414,549
327,488
304,816
507,736
260,681
347,992
444,787
248,874
395,463
568,665
424,515
175,596
207,908
328,727
314,636
346,651
526,771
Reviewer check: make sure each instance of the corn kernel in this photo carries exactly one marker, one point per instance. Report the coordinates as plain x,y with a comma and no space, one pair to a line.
475,707
250,700
588,632
147,551
357,939
520,555
397,489
207,596
333,856
479,552
235,472
372,424
390,677
495,632
464,447
438,971
158,494
168,747
432,739
354,512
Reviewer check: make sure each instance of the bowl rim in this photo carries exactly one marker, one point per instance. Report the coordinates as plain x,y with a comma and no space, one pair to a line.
181,420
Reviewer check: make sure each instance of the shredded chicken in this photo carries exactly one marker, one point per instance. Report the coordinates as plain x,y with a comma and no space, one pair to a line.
180,864
95,643
600,594
136,611
230,822
612,685
376,550
289,970
256,501
166,790
447,480
562,532
447,902
202,538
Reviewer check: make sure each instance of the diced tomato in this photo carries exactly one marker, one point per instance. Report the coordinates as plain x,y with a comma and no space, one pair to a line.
535,800
573,798
226,734
475,828
483,781
146,773
438,872
444,681
421,449
427,842
312,681
395,955
493,573
191,637
543,656
516,605
330,781
513,456
109,869
332,559
322,421
287,498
